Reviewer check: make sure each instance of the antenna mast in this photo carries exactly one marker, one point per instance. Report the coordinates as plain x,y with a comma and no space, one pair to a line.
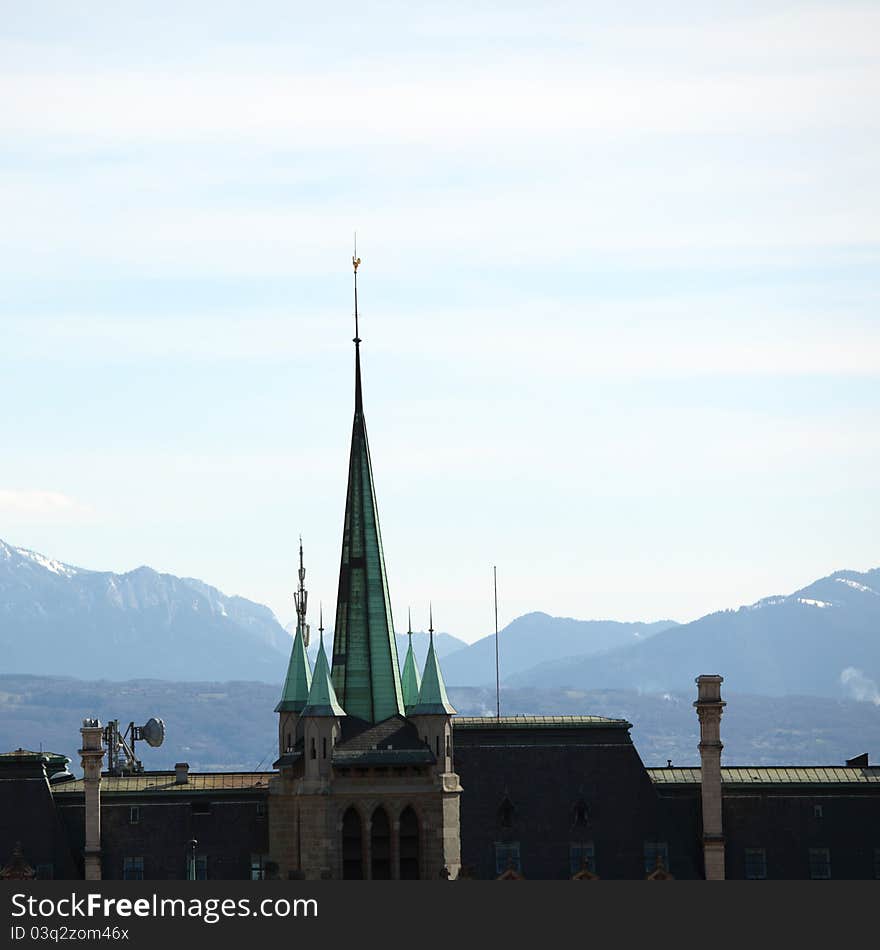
497,663
301,598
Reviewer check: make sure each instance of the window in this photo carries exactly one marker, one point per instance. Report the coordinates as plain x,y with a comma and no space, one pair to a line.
201,867
324,748
817,811
258,867
261,810
507,856
653,851
820,864
313,750
756,864
133,869
505,813
582,856
134,815
580,814
44,872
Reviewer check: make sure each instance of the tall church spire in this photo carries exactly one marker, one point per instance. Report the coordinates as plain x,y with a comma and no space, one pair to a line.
366,675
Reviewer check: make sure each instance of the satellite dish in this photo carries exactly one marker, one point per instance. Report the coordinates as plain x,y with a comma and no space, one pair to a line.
153,732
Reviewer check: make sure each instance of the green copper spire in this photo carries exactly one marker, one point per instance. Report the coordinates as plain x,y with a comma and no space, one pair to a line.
295,694
365,667
410,681
322,696
433,700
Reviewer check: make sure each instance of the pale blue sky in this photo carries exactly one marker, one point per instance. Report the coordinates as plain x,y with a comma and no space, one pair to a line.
619,296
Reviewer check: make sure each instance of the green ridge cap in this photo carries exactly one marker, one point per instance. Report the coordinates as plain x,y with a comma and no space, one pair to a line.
298,682
433,700
410,681
366,674
322,696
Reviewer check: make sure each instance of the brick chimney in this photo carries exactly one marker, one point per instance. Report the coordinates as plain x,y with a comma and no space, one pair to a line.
709,707
92,758
181,773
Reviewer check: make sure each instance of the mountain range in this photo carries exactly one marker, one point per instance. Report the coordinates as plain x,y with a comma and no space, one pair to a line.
57,619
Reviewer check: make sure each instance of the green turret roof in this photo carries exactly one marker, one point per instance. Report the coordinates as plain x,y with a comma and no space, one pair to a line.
322,696
410,681
295,694
366,674
433,700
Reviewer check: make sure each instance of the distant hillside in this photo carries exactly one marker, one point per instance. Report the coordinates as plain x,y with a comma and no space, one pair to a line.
537,637
822,640
232,725
60,619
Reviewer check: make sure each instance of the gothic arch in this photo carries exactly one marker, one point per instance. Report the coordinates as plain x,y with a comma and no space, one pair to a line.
380,845
352,828
410,832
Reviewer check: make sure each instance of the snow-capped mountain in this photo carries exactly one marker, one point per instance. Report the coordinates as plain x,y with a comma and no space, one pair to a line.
823,640
59,619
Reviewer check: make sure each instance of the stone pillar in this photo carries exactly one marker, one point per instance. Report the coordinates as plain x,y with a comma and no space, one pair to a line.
709,707
92,758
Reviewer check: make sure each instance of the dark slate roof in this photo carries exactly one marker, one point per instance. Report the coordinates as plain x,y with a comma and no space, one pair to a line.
395,731
775,775
164,783
538,722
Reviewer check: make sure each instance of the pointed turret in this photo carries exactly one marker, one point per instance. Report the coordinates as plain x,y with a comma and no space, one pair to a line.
366,674
298,681
433,700
322,696
410,681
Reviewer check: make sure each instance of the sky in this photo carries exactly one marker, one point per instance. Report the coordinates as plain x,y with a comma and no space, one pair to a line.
619,296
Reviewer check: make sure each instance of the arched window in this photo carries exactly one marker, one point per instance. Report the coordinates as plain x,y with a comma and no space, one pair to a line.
580,814
409,845
352,846
380,845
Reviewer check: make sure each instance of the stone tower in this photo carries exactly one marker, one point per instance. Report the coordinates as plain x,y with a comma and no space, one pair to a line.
364,791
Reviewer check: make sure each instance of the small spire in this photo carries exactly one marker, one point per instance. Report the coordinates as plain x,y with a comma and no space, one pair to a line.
433,699
298,682
431,621
410,681
321,620
322,697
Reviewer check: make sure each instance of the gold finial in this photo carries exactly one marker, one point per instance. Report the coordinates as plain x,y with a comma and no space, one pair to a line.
355,261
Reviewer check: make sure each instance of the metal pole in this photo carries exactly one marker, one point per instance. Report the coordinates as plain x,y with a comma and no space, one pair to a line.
497,664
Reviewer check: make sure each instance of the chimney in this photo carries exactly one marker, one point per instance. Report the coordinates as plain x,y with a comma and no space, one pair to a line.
709,707
92,758
181,773
859,762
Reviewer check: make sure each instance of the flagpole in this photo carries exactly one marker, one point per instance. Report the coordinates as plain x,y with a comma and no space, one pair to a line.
497,663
